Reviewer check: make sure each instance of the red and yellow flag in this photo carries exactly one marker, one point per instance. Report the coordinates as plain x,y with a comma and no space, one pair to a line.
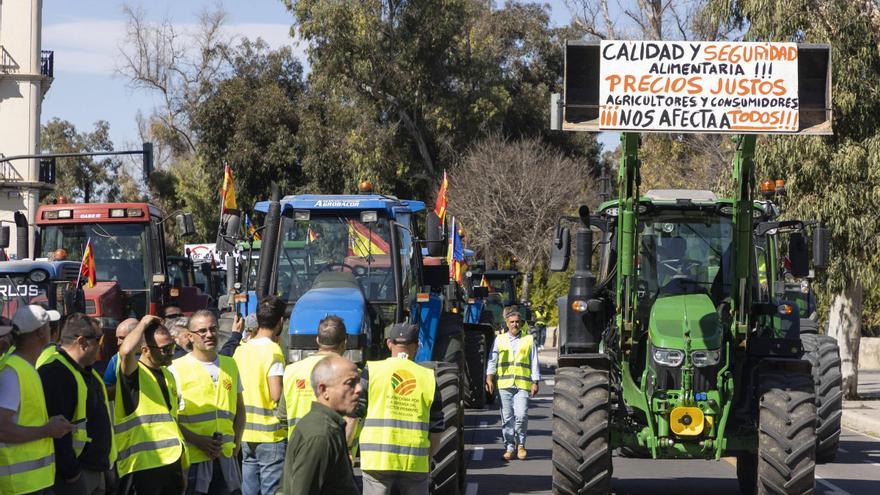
442,198
363,242
228,191
87,267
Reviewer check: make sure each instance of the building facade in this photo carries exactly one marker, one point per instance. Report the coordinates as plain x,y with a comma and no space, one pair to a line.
26,73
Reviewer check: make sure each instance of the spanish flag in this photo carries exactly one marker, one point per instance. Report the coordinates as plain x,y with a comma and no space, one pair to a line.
87,267
363,242
228,191
442,199
484,282
251,229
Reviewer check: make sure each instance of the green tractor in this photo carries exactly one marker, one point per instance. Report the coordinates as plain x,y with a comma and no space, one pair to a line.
673,351
789,277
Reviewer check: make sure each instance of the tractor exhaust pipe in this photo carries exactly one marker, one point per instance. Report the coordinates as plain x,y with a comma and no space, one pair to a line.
269,244
22,250
582,332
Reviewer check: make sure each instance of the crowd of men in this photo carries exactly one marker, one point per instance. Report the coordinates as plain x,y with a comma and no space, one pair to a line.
174,413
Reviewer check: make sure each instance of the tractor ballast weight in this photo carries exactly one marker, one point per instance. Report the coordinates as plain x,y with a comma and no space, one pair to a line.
671,350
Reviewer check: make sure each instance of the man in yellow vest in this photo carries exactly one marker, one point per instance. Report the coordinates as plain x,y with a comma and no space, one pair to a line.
27,455
212,412
5,340
73,389
514,359
51,348
298,395
261,366
402,418
151,456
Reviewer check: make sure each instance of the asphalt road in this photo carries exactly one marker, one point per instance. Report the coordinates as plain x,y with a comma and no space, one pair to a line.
856,471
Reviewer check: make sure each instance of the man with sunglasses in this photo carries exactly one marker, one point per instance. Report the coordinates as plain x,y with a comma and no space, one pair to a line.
73,389
212,412
514,359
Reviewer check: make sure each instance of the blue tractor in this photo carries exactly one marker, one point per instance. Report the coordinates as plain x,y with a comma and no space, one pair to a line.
360,257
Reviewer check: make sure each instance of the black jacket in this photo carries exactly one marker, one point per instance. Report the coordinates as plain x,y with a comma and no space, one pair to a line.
60,388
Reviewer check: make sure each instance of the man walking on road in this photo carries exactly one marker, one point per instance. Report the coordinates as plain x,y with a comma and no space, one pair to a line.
298,395
26,431
317,460
73,389
212,413
403,418
151,456
261,365
514,359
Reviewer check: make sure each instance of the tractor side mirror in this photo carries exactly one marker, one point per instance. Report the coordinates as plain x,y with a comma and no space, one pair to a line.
480,292
4,237
560,250
185,225
435,242
798,254
821,247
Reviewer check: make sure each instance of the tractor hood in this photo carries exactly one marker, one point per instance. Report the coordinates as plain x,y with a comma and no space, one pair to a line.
674,318
345,302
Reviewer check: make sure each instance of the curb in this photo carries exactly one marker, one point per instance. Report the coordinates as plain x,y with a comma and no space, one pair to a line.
862,417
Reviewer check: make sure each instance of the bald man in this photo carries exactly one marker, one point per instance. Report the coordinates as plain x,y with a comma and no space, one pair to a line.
317,460
122,330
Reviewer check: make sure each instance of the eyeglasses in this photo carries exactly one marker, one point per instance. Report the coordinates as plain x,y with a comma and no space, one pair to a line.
166,349
175,315
204,331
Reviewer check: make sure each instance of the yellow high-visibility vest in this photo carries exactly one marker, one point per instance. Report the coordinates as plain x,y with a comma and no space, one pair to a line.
208,407
80,435
30,466
148,437
298,393
396,429
254,361
514,370
49,353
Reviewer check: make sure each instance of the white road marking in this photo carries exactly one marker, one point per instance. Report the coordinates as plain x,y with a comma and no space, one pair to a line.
471,489
836,489
478,454
483,424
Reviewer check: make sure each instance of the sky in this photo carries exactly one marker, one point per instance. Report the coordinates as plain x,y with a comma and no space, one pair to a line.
86,36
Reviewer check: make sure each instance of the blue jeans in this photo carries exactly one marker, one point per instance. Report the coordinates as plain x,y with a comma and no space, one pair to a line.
261,467
514,416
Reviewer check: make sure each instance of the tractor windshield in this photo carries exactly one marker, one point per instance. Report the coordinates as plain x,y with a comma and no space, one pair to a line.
118,248
684,252
313,250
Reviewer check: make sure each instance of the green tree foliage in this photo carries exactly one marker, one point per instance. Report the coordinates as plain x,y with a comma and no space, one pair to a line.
87,178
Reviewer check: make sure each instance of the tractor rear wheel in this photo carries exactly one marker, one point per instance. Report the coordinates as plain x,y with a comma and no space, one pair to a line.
824,357
475,360
581,432
786,459
447,462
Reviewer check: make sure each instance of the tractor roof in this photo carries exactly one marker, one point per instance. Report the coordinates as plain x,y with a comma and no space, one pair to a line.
353,202
56,269
675,194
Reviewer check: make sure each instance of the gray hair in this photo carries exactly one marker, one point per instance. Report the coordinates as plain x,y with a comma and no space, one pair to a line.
322,373
178,325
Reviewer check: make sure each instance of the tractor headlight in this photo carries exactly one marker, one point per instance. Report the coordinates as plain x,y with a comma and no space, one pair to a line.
668,357
579,305
705,358
38,276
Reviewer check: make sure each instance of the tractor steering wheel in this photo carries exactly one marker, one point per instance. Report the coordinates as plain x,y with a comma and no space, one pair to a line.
679,266
330,266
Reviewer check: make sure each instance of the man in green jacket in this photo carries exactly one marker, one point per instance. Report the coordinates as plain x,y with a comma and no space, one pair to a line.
317,460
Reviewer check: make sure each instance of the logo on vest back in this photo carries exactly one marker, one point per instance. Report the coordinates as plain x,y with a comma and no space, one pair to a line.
300,384
403,382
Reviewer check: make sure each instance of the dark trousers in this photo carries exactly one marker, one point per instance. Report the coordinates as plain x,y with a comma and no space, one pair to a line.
163,480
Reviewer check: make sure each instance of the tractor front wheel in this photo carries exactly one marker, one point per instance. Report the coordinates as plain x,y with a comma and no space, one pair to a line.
475,359
785,462
447,461
581,432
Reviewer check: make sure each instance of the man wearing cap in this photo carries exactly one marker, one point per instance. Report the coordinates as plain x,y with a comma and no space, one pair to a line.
514,359
151,456
403,420
74,390
50,350
212,413
261,366
27,454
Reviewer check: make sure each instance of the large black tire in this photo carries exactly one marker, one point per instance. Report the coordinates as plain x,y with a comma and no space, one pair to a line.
475,361
809,326
447,462
824,356
581,432
786,459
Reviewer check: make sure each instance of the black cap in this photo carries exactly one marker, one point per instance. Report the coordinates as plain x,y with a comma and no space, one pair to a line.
404,333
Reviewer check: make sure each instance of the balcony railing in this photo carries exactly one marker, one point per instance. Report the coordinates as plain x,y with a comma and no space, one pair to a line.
47,63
